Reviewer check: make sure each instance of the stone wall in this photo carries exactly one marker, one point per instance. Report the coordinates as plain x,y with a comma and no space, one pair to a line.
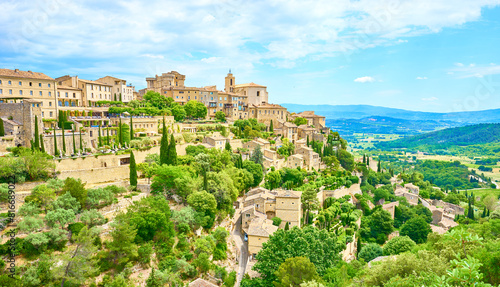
23,113
97,175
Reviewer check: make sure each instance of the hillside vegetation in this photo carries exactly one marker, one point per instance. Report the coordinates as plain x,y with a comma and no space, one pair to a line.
462,136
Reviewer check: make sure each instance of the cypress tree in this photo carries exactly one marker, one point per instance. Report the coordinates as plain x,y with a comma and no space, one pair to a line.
37,137
164,145
358,246
56,152
121,97
100,138
64,141
287,226
470,212
81,142
115,97
364,159
131,129
228,147
42,146
488,214
271,127
307,140
133,170
484,212
74,142
172,152
368,161
379,166
120,138
2,129
107,137
32,145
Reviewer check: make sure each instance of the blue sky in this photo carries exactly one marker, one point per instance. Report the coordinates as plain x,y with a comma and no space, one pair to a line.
425,55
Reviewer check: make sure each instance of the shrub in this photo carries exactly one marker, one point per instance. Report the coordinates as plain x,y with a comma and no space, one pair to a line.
370,252
398,245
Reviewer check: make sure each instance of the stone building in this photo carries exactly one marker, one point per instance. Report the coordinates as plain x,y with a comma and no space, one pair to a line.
92,91
216,141
289,206
19,119
311,158
17,85
318,122
120,90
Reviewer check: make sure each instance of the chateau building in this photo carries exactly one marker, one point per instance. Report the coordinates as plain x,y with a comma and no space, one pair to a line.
120,91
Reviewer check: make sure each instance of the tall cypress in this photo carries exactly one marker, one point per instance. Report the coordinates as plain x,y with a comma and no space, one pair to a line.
100,138
271,127
56,152
164,145
74,142
37,137
131,129
133,170
172,152
307,140
364,159
64,141
2,129
81,142
42,146
107,131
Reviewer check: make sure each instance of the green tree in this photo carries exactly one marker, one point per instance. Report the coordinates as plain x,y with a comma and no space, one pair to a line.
66,201
42,145
81,141
43,195
172,152
255,169
99,136
273,180
92,218
257,155
417,229
122,247
204,203
60,217
56,152
300,121
309,203
74,142
295,271
271,127
178,112
220,116
346,159
398,245
319,246
37,135
370,252
133,170
2,129
79,264
228,147
131,129
76,188
164,146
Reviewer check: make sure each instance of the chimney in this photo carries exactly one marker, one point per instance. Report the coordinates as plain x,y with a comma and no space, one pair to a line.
16,70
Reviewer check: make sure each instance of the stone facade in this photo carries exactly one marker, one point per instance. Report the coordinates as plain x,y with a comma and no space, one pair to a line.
23,116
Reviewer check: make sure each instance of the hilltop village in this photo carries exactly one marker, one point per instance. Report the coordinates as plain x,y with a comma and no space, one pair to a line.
103,185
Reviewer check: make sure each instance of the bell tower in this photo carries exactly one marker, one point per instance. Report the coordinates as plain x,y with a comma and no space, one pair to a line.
230,83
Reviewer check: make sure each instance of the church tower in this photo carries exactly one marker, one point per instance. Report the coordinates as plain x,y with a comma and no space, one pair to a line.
230,83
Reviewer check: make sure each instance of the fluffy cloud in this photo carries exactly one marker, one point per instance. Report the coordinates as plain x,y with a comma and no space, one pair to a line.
366,79
421,78
474,70
240,34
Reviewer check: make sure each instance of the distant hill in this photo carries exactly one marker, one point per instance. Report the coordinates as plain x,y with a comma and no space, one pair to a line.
460,136
386,125
363,111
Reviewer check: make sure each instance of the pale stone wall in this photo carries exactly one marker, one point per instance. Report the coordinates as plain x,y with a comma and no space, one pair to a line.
98,175
289,210
23,113
255,243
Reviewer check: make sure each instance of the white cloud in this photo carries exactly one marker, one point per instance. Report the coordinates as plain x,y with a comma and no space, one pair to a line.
421,78
116,33
366,79
430,99
474,70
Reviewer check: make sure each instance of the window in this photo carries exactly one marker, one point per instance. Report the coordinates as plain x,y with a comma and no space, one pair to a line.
59,103
49,85
39,84
66,104
21,92
74,95
40,93
50,104
50,114
1,91
31,93
10,92
31,84
66,94
10,82
258,93
20,83
58,94
247,215
92,95
42,113
0,82
50,94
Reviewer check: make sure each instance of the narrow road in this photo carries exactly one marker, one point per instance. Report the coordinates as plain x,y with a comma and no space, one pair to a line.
242,246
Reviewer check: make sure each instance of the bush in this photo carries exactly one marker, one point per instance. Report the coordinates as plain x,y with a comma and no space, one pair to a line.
370,252
230,279
398,245
276,221
144,254
75,228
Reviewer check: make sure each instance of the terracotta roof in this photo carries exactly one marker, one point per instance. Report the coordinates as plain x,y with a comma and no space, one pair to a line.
252,84
268,106
24,74
308,114
201,283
